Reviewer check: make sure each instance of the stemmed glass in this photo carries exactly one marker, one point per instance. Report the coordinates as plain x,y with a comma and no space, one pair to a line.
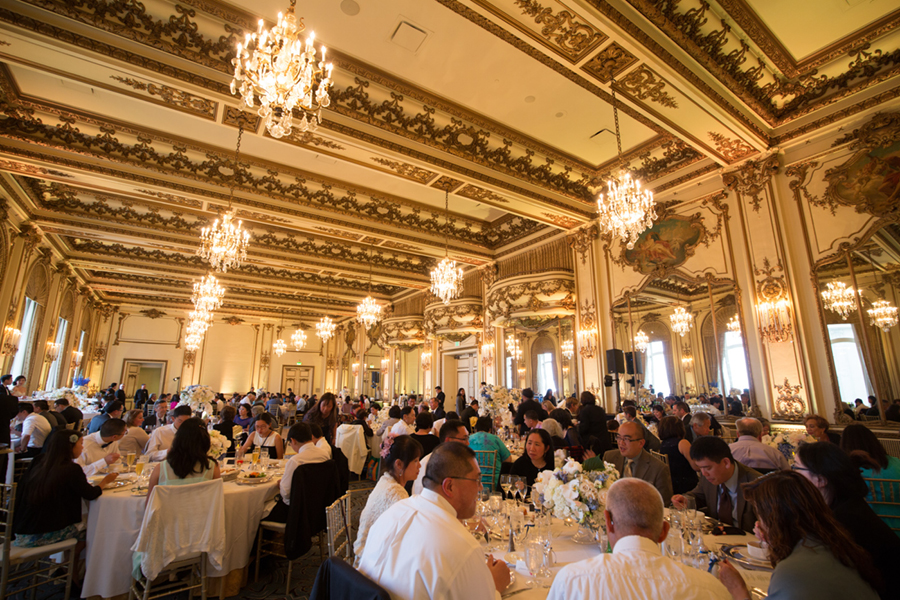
505,484
534,561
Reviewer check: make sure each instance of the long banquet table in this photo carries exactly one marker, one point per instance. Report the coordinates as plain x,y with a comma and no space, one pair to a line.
114,521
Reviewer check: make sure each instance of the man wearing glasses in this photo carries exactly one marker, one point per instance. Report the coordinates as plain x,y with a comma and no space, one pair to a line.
631,460
451,431
418,548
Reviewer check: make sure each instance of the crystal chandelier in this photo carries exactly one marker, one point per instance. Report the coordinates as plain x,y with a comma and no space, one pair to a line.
325,329
641,341
512,347
883,315
198,322
682,321
446,278
298,338
568,349
839,298
368,312
281,72
280,346
734,325
208,294
224,244
625,210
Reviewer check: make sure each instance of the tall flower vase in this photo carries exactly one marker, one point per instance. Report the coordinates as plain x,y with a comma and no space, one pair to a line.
585,535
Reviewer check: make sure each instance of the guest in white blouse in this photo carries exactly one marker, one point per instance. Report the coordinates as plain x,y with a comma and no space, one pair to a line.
319,439
136,438
161,439
418,548
405,425
401,455
636,568
101,449
300,439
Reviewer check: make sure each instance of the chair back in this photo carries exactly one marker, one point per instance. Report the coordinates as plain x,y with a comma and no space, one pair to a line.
337,579
659,456
314,487
7,506
338,517
884,498
351,439
487,460
21,467
865,417
180,521
892,447
576,453
612,438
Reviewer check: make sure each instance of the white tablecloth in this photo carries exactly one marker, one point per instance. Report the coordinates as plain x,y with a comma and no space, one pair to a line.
114,520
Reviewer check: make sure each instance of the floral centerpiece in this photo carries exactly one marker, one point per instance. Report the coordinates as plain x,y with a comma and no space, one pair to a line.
380,418
734,393
573,493
788,442
218,444
495,403
198,397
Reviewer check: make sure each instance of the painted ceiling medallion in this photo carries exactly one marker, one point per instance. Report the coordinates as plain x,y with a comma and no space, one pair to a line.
280,72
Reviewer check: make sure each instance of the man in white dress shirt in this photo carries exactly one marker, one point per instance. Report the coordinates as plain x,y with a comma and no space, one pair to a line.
451,431
405,425
35,430
301,440
636,569
418,549
101,449
319,440
161,439
751,452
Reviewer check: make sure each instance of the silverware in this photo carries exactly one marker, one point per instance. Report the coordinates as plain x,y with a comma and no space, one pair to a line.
515,592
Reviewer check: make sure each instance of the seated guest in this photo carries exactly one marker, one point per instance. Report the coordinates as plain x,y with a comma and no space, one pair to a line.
423,435
419,550
872,411
701,425
651,440
673,445
101,449
817,427
69,413
324,414
632,460
812,554
528,403
136,438
719,490
657,412
56,420
347,406
394,414
452,430
244,416
158,418
187,460
48,499
751,452
438,409
255,411
405,425
300,438
361,421
273,405
873,461
841,485
265,438
226,426
556,433
161,438
401,456
112,410
570,433
319,439
451,416
35,430
470,415
538,457
531,420
636,568
681,410
483,440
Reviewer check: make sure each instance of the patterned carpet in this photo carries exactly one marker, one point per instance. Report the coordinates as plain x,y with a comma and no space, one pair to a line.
272,572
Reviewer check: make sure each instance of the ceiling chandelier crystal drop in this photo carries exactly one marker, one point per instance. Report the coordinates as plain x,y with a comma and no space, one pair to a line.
682,321
298,338
208,294
568,349
734,325
446,278
625,210
641,341
279,71
224,244
883,315
325,329
198,322
368,312
839,298
280,347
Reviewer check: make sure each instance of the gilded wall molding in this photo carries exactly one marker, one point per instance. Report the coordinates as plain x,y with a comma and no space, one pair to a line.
789,406
581,240
731,150
750,179
643,84
462,316
509,300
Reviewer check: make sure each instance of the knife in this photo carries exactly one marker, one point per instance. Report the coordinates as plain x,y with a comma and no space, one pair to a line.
515,592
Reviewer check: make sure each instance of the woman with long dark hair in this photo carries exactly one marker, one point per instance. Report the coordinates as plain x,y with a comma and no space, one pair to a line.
324,414
48,500
265,436
188,460
678,449
830,470
538,456
869,455
244,417
813,556
564,418
461,403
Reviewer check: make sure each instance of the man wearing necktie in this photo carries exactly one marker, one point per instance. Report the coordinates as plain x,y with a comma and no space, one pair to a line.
631,460
719,490
102,448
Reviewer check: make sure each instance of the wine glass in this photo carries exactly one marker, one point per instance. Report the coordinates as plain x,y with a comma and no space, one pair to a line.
505,484
254,456
495,502
534,562
129,459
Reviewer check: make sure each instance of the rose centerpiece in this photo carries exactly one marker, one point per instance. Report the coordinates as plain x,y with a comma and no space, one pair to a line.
788,442
218,444
494,403
199,398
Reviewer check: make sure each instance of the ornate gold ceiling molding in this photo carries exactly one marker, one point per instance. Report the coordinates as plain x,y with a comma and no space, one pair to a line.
732,150
186,101
172,198
541,295
642,83
609,62
750,179
473,192
406,170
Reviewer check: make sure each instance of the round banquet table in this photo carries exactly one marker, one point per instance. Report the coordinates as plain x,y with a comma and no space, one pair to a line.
114,521
566,551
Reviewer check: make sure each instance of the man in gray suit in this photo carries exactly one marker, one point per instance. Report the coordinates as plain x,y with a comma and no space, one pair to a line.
631,460
650,441
719,490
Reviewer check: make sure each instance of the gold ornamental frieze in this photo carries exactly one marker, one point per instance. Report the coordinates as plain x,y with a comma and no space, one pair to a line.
402,331
538,295
462,317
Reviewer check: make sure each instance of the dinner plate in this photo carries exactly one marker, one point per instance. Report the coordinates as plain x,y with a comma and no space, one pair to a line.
245,480
738,553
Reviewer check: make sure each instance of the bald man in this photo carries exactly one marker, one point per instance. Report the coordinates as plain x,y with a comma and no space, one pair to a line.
636,569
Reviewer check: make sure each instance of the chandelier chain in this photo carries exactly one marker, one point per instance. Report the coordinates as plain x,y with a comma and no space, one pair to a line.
237,158
612,88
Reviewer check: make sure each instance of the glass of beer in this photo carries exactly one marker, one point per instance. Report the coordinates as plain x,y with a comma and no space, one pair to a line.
139,468
254,458
129,459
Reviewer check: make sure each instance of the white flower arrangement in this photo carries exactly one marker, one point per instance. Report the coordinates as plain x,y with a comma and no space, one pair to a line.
380,418
198,397
788,442
495,404
76,397
734,393
218,444
572,493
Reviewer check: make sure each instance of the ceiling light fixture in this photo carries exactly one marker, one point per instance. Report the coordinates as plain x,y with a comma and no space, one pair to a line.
281,72
280,346
325,327
298,338
734,325
446,278
208,294
838,298
682,321
625,210
641,341
368,312
224,244
883,315
568,349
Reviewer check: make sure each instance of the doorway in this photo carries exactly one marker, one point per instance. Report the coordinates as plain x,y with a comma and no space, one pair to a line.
136,372
299,379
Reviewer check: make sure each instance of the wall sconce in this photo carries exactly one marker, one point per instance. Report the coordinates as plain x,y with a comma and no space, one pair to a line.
487,354
775,321
687,360
587,343
52,351
385,365
76,358
426,360
568,349
355,368
11,338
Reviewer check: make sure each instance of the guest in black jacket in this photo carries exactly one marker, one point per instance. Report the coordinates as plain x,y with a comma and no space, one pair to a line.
592,424
528,403
226,427
48,501
844,490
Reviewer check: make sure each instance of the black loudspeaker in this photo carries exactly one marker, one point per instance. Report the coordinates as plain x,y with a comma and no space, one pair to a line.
615,361
632,360
608,381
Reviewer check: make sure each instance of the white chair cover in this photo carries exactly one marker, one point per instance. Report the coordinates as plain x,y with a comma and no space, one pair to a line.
351,439
182,520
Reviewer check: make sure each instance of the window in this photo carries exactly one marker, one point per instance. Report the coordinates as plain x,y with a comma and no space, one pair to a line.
545,378
53,374
510,373
656,373
734,363
848,362
81,349
26,340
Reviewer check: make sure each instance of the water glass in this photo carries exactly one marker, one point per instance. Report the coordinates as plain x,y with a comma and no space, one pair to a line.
495,502
534,562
